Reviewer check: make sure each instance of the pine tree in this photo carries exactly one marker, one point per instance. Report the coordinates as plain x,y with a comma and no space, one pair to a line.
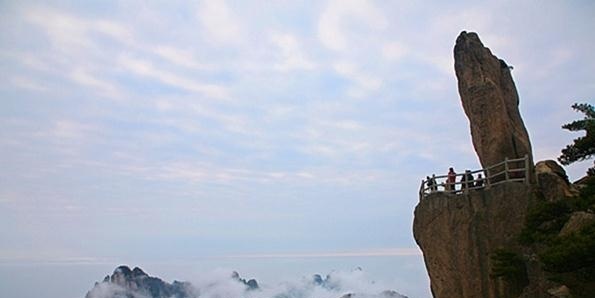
583,147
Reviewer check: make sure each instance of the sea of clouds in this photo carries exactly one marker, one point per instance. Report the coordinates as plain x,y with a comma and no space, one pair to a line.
220,284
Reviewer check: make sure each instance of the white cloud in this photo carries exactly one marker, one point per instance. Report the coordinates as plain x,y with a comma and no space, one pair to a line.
556,58
113,29
75,52
339,14
84,78
72,130
66,33
388,252
364,82
105,290
28,83
179,57
71,34
145,68
393,51
219,21
291,53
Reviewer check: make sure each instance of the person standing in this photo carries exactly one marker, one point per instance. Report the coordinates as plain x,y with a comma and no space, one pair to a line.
434,186
430,184
464,181
451,179
479,181
469,179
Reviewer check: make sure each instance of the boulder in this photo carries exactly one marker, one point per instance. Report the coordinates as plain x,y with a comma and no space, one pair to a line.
551,166
552,181
560,292
490,101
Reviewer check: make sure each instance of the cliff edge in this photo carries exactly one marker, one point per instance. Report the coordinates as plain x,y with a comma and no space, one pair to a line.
459,232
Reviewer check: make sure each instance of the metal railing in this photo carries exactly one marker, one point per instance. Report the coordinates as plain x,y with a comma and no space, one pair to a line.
509,170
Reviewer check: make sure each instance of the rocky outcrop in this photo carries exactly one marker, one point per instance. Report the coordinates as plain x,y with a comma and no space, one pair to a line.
490,101
553,182
458,233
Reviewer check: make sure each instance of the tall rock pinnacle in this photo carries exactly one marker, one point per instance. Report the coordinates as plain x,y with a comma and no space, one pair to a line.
471,237
490,101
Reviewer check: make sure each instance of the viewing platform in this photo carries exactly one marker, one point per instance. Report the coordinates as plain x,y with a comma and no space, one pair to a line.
509,170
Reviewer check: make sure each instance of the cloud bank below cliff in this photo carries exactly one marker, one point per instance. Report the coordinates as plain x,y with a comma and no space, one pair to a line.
219,283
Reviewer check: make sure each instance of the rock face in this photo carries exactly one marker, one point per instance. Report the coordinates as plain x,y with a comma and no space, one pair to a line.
490,101
458,233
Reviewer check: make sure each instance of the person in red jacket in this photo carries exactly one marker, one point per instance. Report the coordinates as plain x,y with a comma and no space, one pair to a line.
451,179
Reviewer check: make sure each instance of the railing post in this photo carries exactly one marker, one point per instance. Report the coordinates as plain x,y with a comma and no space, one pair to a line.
527,169
487,178
506,169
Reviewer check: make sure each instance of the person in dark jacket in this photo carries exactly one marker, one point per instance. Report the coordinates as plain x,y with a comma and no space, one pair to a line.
430,183
479,181
469,179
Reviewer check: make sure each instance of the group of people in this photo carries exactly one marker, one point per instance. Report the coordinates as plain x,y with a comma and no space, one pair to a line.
467,181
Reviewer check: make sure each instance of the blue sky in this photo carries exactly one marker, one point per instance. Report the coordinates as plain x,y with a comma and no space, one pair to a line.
172,130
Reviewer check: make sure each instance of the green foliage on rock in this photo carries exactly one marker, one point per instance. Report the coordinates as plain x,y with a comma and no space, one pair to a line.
571,253
568,259
508,265
586,201
544,221
511,267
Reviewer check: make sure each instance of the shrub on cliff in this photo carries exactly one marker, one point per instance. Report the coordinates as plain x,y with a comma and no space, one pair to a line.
544,221
570,258
574,252
511,267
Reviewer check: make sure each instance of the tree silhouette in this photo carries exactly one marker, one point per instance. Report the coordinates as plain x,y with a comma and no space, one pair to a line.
583,147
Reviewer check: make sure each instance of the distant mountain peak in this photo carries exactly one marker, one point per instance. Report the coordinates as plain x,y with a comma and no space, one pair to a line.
138,272
135,283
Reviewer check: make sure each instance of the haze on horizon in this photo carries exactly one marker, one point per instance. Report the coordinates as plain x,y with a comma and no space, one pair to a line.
174,131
